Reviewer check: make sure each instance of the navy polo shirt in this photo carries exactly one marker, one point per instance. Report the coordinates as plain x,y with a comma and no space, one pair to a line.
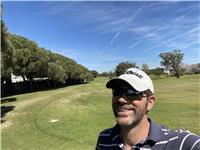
159,138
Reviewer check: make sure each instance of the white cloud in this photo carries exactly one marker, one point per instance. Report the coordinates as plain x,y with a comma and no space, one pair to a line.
172,39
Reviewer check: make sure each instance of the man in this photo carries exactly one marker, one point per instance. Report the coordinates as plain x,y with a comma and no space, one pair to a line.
133,97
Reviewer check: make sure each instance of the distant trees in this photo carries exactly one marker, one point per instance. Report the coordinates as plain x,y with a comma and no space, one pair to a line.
94,73
145,68
192,68
157,71
122,66
195,68
56,72
172,60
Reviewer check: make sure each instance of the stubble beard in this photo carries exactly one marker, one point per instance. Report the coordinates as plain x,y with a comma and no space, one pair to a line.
134,119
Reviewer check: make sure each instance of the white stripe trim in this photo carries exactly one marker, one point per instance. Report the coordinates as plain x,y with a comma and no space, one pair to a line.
111,130
174,138
165,129
163,142
195,144
104,135
121,145
97,147
115,137
108,145
184,140
187,131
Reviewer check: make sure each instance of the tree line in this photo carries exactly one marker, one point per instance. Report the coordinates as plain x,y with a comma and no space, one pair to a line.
171,63
23,57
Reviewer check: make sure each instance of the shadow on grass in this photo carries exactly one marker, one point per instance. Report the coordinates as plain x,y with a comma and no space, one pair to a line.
7,100
4,111
22,88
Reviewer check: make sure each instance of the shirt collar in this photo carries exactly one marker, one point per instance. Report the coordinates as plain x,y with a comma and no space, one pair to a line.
155,133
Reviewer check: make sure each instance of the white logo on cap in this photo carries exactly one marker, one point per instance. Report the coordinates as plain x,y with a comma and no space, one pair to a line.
134,73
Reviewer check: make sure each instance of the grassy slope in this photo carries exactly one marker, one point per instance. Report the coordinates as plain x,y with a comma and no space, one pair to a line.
83,110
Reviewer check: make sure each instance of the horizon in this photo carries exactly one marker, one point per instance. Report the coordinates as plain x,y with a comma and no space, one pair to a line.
99,35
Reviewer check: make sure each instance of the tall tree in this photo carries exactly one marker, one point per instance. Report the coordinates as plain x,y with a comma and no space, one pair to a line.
121,67
6,54
25,57
94,73
21,61
145,68
41,64
56,73
172,60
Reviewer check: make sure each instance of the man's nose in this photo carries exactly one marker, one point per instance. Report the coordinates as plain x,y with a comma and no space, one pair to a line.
122,100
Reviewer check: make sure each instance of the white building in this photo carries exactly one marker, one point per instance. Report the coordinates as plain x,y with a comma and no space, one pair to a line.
16,79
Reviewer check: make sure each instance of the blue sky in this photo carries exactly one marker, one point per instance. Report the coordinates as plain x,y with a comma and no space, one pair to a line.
99,35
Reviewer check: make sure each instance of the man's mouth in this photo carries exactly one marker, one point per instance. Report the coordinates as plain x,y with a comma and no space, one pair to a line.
123,108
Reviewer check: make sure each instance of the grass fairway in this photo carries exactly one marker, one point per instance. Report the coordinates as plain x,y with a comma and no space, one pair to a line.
71,117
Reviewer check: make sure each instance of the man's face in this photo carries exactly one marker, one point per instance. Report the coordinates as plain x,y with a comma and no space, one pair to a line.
126,111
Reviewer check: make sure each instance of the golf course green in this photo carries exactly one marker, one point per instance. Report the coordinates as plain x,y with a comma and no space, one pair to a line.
71,118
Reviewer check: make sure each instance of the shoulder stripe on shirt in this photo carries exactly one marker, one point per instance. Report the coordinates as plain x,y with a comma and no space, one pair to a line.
195,144
184,140
104,135
97,147
108,145
115,137
164,142
165,130
174,138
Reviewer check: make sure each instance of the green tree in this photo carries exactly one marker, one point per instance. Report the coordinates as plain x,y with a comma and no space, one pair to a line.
56,73
21,61
25,57
30,61
82,73
145,68
157,71
121,67
172,60
41,65
94,73
6,54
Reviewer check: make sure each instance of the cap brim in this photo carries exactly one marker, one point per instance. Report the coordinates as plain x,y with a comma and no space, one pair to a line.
115,82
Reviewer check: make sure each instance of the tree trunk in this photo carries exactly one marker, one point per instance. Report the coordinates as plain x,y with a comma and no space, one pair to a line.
31,84
177,73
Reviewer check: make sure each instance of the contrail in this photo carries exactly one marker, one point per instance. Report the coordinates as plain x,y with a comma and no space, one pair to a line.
134,14
129,20
136,43
176,37
113,39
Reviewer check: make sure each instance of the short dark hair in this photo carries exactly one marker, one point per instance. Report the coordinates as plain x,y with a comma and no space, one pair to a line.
148,92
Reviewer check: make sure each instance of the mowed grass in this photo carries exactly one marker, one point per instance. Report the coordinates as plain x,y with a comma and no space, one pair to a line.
71,117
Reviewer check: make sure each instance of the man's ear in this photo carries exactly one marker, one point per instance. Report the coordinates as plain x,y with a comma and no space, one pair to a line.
150,102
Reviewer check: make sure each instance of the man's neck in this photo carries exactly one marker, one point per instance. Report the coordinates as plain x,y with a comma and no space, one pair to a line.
135,135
